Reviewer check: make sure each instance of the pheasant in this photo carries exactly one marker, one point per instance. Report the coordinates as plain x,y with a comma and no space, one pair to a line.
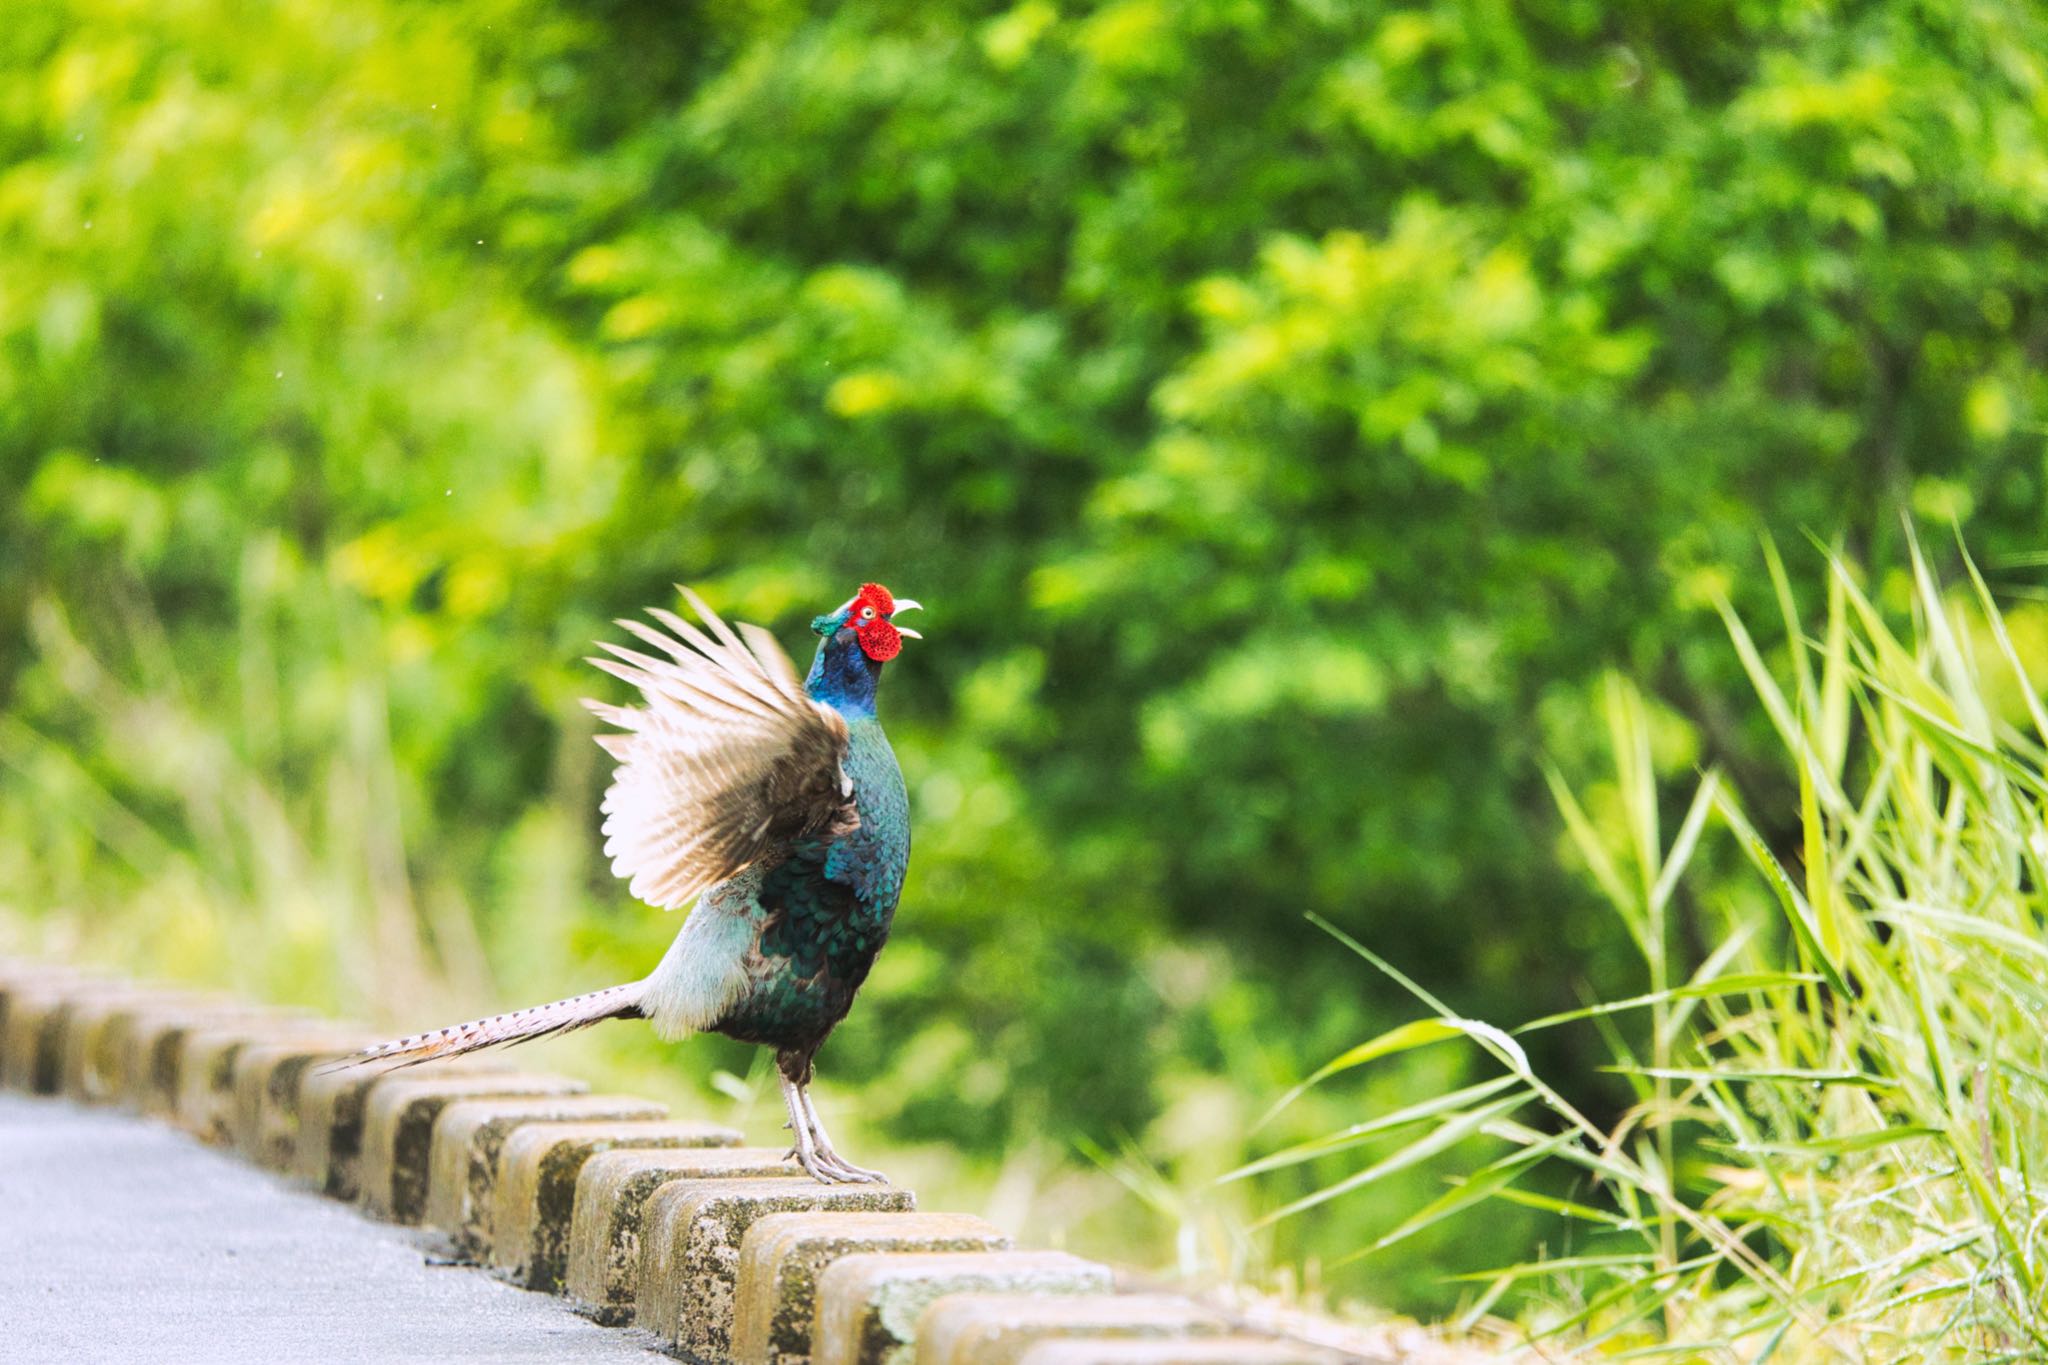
778,806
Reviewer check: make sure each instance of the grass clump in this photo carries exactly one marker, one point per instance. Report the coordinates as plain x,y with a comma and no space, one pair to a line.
1836,1112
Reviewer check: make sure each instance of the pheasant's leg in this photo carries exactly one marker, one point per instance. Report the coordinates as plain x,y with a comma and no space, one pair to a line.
826,1155
805,1151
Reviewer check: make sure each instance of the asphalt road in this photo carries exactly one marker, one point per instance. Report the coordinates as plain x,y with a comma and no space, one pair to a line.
121,1240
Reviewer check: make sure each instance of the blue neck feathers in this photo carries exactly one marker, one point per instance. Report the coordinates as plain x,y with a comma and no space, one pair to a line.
843,676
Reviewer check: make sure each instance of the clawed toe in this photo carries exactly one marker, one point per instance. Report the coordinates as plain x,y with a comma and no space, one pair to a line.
846,1172
827,1167
861,1174
812,1149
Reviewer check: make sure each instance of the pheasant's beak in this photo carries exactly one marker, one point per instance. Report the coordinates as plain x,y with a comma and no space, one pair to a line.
904,604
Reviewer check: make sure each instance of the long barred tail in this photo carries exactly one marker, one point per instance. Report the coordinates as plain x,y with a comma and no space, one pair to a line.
520,1026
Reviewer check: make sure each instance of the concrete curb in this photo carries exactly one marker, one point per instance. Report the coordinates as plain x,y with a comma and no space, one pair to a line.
208,1057
328,1152
997,1329
1230,1350
783,1255
869,1306
399,1113
268,1077
538,1172
469,1140
610,1214
689,1278
89,1069
722,1252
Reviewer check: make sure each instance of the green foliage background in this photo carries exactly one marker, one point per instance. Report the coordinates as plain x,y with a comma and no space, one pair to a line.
1286,412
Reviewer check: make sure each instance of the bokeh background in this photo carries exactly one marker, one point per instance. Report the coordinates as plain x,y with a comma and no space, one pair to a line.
1289,413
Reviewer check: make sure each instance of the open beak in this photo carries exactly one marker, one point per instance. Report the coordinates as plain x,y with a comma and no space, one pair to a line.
904,604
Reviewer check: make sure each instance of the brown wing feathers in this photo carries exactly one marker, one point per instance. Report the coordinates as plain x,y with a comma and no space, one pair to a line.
727,757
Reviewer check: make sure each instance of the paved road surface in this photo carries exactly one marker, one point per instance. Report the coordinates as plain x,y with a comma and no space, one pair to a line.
124,1241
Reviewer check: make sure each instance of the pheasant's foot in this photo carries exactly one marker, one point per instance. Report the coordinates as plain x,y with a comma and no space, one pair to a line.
813,1147
846,1171
805,1151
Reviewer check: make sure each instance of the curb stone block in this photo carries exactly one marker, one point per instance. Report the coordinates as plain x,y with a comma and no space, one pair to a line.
690,1272
266,1093
869,1305
466,1146
783,1254
37,1021
996,1329
150,1046
17,975
1230,1350
610,1215
398,1131
204,1096
89,1069
206,1070
38,1024
535,1196
328,1153
31,1049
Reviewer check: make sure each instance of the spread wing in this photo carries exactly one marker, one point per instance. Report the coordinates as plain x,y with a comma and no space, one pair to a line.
727,758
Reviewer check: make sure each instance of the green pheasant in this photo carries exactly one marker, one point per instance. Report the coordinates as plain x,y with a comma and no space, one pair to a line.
777,806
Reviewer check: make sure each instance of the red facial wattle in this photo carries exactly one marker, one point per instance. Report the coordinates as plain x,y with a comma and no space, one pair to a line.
880,641
869,617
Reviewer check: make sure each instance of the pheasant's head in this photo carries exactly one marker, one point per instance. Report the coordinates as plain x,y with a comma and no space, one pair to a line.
867,617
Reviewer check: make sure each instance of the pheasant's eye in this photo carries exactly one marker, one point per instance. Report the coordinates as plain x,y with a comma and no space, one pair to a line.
867,613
